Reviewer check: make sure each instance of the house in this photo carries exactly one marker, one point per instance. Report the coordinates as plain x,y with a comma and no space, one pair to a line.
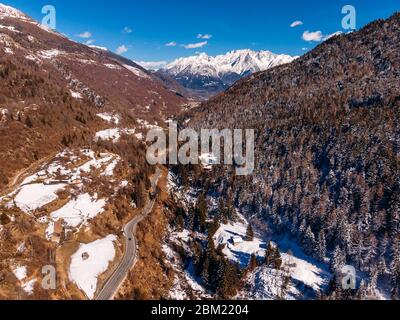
58,230
237,240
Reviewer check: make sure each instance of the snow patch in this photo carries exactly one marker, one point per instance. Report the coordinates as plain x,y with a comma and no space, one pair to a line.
302,268
110,117
113,134
28,286
20,272
208,160
79,210
89,262
51,54
10,28
112,66
75,94
34,196
137,72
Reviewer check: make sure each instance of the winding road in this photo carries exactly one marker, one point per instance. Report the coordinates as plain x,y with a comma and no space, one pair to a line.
129,259
13,183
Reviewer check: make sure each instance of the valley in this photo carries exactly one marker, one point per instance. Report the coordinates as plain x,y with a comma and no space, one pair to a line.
79,194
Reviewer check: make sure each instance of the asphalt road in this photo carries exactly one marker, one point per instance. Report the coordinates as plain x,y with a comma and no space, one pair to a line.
112,285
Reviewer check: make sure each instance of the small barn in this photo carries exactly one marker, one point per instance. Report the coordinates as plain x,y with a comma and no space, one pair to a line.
237,240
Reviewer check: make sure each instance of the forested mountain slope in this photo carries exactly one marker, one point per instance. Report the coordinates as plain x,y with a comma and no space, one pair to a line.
327,150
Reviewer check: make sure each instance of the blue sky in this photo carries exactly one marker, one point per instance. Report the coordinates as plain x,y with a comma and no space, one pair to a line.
224,25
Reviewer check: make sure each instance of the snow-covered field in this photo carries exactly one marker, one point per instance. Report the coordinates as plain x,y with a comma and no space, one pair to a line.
34,196
67,171
303,270
89,262
113,134
79,210
241,252
66,182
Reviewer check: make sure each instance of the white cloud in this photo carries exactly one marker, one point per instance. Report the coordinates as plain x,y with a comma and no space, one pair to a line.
317,36
152,65
121,49
312,36
296,24
89,42
204,36
85,35
195,45
127,30
171,44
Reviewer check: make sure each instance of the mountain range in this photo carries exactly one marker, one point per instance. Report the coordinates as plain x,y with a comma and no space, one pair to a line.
207,75
77,192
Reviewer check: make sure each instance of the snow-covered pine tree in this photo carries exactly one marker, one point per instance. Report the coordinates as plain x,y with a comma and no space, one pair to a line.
269,255
321,245
338,260
309,241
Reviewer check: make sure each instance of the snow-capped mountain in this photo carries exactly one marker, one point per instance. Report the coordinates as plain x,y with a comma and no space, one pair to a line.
209,75
24,40
10,12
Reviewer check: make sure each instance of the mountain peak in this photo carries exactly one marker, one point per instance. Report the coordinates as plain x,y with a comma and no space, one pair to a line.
212,74
10,12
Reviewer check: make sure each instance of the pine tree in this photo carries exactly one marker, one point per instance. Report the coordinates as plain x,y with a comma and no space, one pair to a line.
302,228
179,223
249,233
214,226
277,259
28,122
200,215
338,260
206,272
269,255
309,241
227,280
395,268
211,251
285,281
382,267
362,290
294,227
394,215
344,235
321,246
373,280
252,263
